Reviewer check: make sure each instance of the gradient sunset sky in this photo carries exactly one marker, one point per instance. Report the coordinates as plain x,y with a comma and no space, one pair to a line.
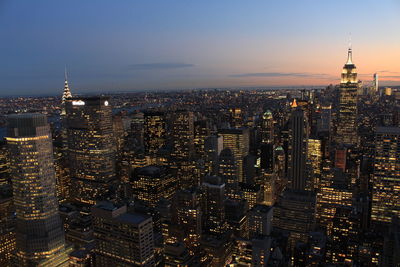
168,44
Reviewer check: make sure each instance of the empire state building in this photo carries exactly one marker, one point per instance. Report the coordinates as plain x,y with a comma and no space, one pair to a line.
346,131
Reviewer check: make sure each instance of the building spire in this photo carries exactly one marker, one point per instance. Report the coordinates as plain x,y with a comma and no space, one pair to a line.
349,53
67,92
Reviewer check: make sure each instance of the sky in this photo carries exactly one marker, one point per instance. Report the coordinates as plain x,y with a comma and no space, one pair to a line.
136,45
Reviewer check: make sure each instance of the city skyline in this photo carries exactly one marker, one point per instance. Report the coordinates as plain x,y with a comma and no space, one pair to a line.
137,46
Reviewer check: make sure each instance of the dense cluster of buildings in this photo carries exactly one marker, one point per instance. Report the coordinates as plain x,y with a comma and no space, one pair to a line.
204,178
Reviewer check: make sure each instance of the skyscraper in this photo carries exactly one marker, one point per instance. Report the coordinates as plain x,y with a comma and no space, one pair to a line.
237,140
91,148
39,231
386,175
297,154
346,131
154,131
228,170
214,205
183,134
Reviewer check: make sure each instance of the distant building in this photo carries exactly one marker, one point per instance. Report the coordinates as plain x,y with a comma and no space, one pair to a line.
151,183
183,134
122,238
154,131
237,140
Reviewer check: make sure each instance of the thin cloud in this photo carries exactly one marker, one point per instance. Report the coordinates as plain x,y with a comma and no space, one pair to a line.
284,74
159,66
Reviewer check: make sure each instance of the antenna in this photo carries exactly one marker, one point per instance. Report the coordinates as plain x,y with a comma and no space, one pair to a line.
65,72
350,44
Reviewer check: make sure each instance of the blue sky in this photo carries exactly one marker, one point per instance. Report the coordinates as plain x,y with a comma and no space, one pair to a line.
168,44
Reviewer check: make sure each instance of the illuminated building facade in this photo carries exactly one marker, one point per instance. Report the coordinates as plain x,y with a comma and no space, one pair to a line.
294,214
346,131
91,148
4,168
237,140
314,161
386,175
151,183
33,176
154,131
7,226
183,134
122,238
260,220
334,192
186,211
214,205
201,132
227,169
267,128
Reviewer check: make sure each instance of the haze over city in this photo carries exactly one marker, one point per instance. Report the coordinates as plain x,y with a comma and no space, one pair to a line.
148,45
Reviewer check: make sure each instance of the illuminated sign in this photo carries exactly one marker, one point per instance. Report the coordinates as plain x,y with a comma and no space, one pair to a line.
78,103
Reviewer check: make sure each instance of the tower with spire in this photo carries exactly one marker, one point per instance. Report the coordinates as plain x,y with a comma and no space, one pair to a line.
346,131
67,92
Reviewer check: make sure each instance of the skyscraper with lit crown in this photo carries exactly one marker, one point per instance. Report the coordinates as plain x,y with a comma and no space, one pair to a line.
91,148
346,131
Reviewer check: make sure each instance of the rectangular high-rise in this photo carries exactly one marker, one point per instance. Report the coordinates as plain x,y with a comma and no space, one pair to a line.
297,154
237,140
91,148
122,238
39,231
386,175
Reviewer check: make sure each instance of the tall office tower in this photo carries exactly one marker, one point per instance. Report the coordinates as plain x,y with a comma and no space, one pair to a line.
267,128
7,226
228,171
154,131
346,131
214,205
186,213
213,146
183,134
4,165
238,141
66,94
376,83
137,129
297,149
91,148
386,175
267,158
260,220
33,177
151,183
201,132
119,132
122,238
324,120
314,163
61,152
294,214
335,191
